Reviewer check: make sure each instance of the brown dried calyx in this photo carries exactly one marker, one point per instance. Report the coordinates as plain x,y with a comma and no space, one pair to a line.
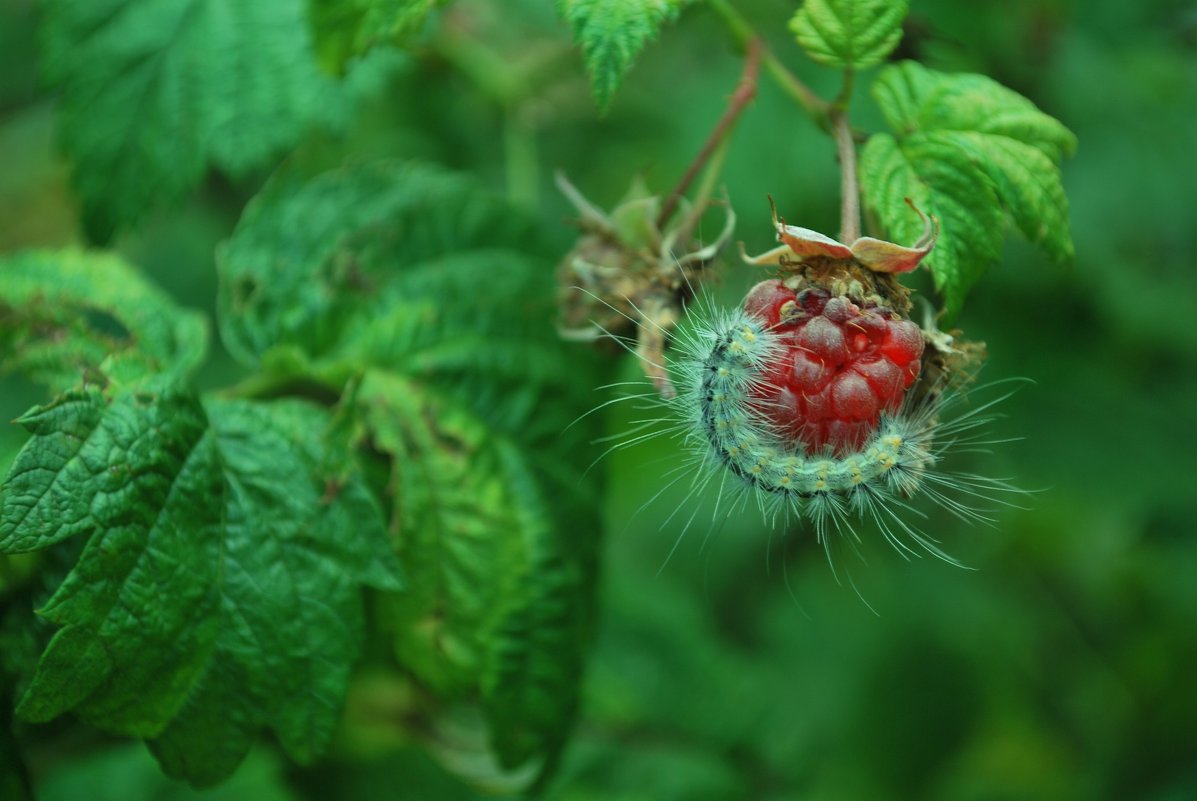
627,278
866,268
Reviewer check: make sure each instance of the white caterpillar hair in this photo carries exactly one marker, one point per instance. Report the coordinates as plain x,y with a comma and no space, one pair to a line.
736,454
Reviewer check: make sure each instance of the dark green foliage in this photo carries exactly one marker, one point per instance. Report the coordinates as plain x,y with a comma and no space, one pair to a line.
410,279
611,33
127,772
96,311
314,261
155,91
215,573
227,540
389,388
296,547
14,778
970,152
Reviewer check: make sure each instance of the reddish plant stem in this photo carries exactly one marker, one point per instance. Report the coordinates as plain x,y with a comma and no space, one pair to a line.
790,83
744,93
849,190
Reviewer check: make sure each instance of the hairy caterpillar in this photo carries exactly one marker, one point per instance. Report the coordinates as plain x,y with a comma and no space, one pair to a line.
719,364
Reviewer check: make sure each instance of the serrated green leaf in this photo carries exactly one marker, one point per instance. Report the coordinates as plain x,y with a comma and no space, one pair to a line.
125,474
943,182
459,529
612,33
500,594
971,152
914,98
344,29
402,267
311,254
1030,188
530,687
849,34
65,312
465,389
294,555
219,589
155,91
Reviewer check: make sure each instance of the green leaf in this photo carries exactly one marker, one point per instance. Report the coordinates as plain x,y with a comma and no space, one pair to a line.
344,29
311,254
611,33
914,98
972,153
460,530
940,180
63,313
422,286
155,91
218,592
500,591
530,686
849,34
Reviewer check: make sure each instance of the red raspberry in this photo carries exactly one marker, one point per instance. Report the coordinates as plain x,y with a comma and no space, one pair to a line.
842,364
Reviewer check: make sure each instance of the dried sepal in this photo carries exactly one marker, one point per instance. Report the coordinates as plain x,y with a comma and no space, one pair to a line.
625,278
802,245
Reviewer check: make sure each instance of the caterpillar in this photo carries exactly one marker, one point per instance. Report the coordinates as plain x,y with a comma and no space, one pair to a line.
817,397
720,363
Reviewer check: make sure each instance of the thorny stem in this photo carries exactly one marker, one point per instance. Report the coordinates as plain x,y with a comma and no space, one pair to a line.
818,108
744,92
845,145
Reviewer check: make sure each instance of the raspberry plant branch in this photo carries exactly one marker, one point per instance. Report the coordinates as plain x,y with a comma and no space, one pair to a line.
849,190
818,108
845,144
830,116
743,94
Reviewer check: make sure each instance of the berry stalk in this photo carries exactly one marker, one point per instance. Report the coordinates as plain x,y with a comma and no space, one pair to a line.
743,94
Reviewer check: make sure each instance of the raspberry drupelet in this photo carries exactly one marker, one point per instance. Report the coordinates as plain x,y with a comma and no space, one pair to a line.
848,352
844,361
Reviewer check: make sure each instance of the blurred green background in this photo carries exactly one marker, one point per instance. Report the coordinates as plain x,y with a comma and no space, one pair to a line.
1063,666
